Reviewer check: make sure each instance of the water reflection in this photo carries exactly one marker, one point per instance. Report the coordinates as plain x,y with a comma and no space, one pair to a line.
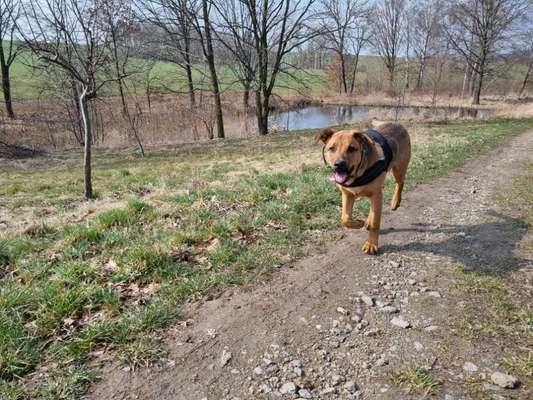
329,115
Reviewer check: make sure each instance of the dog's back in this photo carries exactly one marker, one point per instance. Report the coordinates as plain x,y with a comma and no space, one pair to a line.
398,139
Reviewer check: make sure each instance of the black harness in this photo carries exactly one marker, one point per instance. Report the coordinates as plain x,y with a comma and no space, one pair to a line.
377,168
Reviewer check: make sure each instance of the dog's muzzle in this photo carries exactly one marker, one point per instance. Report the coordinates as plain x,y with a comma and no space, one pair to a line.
341,172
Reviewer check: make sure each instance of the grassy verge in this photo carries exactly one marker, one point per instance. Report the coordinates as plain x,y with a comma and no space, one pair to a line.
499,311
189,221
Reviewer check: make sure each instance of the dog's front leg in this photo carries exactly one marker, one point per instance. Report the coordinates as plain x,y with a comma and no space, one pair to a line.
348,200
374,221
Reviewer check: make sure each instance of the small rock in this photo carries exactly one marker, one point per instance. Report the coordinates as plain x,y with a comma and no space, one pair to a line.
336,379
449,397
369,301
356,318
490,387
288,388
504,380
389,309
305,394
381,362
342,311
400,322
370,332
328,390
225,357
411,282
432,328
267,361
259,371
296,364
434,294
365,365
394,264
418,346
350,386
470,367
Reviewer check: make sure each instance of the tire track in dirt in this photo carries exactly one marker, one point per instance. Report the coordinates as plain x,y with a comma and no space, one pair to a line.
323,327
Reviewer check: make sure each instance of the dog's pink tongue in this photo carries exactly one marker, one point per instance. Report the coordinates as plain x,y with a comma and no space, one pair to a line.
338,178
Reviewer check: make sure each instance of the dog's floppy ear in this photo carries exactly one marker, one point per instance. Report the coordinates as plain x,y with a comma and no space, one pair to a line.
365,141
324,136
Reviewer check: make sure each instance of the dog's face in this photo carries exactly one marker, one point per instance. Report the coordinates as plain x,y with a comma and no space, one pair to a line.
343,152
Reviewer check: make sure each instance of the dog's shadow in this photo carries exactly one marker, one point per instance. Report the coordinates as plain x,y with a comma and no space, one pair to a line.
488,247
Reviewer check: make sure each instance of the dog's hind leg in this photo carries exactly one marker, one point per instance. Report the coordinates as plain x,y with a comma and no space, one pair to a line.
398,171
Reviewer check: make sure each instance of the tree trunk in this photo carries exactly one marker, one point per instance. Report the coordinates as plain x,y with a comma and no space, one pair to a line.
190,84
472,81
6,85
466,80
354,75
87,144
477,91
117,70
262,110
526,80
343,72
188,70
420,74
209,54
246,99
392,89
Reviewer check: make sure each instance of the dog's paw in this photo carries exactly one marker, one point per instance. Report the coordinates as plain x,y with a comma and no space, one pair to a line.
358,224
353,223
370,248
395,204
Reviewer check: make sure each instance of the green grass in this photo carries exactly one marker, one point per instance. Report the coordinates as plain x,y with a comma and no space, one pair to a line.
498,308
27,83
417,379
210,215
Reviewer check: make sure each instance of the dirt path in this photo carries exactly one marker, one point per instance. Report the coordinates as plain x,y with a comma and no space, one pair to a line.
323,327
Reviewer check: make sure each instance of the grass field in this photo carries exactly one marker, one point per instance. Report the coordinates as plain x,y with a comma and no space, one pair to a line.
27,83
181,223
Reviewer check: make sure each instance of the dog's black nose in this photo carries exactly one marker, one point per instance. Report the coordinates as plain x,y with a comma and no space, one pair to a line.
340,165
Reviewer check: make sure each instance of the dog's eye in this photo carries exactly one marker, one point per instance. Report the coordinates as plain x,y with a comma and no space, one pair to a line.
351,149
332,149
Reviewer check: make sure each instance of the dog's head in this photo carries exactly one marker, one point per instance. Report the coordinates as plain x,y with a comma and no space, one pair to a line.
345,152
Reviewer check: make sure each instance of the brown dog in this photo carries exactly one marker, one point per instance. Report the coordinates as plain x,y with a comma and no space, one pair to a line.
360,161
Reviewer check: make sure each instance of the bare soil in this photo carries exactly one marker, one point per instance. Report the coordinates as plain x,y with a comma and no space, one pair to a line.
311,324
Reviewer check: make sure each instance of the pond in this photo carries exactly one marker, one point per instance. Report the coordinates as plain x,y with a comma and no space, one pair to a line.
329,115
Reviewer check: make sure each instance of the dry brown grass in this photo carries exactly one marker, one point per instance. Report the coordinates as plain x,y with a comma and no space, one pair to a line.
166,120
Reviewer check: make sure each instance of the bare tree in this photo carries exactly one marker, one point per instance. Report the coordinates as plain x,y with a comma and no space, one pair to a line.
116,18
389,34
69,35
524,55
172,17
234,32
426,34
200,17
278,27
341,21
359,39
9,50
478,29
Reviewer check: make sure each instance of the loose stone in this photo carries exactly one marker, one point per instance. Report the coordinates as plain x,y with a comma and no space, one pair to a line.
504,380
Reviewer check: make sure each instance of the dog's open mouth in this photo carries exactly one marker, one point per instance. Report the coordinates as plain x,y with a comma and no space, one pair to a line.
339,177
